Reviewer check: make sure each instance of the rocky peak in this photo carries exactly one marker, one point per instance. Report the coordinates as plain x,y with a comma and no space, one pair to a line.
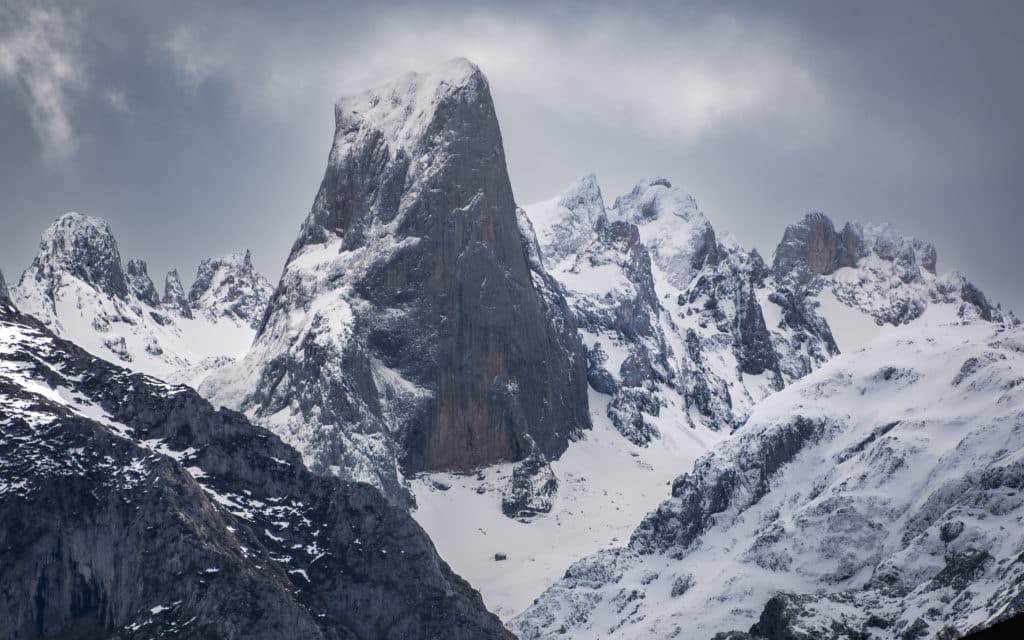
174,294
676,232
407,322
83,247
5,296
813,247
419,115
567,222
231,286
906,253
139,282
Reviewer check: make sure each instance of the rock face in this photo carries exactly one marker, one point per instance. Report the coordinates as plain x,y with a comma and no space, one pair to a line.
132,508
675,231
813,247
80,246
77,286
890,277
140,284
407,324
531,490
5,295
230,286
174,294
674,319
878,496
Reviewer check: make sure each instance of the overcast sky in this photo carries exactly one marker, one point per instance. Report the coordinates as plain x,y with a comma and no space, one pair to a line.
197,130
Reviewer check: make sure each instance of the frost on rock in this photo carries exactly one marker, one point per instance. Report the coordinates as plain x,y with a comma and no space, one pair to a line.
675,231
531,489
679,326
872,268
878,495
77,286
409,330
174,295
231,287
140,283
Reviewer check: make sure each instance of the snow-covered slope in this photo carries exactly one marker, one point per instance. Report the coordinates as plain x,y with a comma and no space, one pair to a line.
673,370
606,484
667,378
878,494
78,287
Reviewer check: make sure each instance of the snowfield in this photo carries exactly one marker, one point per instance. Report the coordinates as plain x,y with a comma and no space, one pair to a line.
881,490
606,485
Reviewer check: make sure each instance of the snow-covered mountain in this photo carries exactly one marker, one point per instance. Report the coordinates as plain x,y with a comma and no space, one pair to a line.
78,286
530,381
876,497
407,331
130,508
673,370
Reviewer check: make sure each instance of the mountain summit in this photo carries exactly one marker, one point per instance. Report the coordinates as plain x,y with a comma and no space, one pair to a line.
407,325
78,287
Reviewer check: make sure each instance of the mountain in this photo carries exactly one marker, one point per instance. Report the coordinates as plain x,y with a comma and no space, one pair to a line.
407,332
887,276
78,286
673,370
878,496
672,316
131,508
230,287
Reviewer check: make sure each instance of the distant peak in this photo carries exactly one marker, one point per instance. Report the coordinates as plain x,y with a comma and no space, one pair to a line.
81,246
813,246
230,286
137,275
652,199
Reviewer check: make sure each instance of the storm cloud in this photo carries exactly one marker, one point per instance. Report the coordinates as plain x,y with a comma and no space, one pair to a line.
198,130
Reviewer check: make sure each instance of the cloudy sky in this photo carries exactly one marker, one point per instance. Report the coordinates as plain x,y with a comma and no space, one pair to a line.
199,128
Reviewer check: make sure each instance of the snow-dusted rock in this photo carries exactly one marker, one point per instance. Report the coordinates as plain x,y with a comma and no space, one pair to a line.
131,508
701,352
873,269
174,295
878,494
82,247
407,326
5,295
139,282
531,490
675,231
77,286
231,287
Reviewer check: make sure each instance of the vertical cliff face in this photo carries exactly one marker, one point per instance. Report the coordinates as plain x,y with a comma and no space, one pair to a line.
407,323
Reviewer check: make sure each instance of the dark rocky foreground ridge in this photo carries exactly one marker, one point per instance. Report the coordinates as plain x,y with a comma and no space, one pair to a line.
130,508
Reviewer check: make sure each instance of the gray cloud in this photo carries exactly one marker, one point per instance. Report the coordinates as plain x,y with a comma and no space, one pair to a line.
38,60
199,128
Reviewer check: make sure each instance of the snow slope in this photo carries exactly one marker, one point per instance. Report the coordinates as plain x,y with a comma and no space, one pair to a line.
607,485
880,491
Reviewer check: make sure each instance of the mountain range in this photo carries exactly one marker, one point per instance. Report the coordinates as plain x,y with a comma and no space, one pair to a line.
611,418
